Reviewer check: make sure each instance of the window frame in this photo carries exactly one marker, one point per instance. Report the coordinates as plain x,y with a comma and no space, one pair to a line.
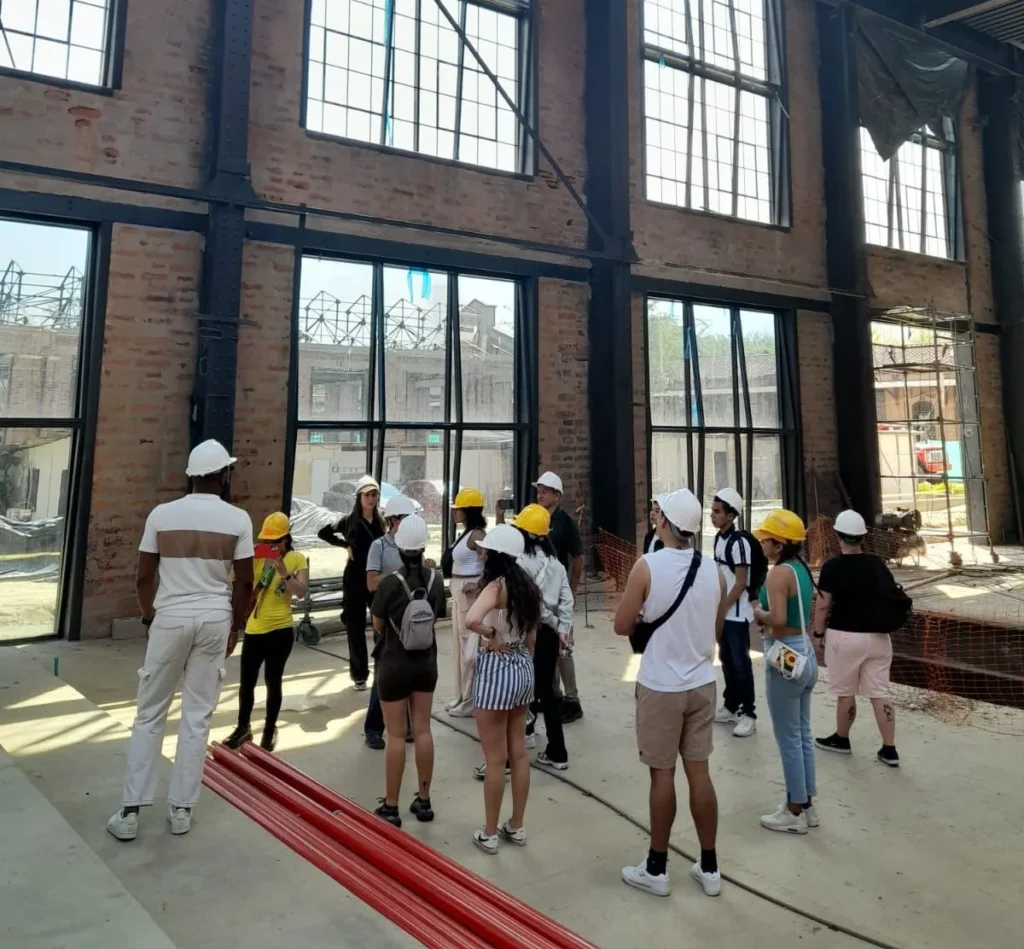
774,88
113,67
374,423
528,14
789,429
948,145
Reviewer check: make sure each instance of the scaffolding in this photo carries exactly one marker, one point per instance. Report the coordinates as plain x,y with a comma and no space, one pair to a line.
933,434
327,320
48,301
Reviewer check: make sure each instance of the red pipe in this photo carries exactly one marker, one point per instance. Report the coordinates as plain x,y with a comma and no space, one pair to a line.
557,933
408,911
500,929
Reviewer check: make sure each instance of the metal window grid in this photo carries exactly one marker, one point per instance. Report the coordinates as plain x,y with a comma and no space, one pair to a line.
715,129
396,74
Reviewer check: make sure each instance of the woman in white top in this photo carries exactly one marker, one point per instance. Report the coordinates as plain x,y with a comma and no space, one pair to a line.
505,615
466,569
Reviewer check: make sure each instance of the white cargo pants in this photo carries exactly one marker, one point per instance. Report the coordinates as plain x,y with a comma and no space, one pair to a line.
464,646
192,645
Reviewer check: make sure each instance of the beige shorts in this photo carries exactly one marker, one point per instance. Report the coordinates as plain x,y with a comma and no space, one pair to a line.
858,663
675,723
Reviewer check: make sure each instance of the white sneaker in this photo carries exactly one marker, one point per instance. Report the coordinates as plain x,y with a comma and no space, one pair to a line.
516,836
480,771
485,843
785,820
745,727
811,813
124,826
460,711
180,818
531,742
711,882
639,877
724,717
545,762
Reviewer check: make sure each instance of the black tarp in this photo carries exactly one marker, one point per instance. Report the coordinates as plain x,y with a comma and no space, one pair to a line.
904,83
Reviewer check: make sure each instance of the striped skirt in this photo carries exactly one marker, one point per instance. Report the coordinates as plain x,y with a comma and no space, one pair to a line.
503,681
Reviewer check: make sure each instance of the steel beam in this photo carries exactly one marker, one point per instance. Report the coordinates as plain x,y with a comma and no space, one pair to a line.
847,266
941,12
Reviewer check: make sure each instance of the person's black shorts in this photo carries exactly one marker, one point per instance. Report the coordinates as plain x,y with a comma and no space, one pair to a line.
398,676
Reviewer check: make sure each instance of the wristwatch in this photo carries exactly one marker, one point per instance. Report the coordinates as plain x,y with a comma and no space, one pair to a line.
147,622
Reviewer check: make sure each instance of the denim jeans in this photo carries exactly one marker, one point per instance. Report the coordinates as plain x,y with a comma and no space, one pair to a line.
734,654
789,701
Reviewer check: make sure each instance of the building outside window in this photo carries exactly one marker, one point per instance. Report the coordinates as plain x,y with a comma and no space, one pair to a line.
910,201
43,293
715,123
720,404
396,73
418,381
68,40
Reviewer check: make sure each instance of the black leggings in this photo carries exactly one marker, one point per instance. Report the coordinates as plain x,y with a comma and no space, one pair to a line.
270,650
545,659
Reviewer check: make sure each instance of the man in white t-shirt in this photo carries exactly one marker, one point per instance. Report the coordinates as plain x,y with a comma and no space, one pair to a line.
675,693
194,586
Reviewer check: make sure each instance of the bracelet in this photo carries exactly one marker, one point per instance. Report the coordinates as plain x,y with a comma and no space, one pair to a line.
147,622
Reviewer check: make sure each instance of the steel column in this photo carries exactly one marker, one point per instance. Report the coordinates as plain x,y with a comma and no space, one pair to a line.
1000,129
847,262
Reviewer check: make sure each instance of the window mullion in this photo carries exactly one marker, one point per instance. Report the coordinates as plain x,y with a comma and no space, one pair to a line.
736,117
897,190
924,194
417,78
459,76
389,43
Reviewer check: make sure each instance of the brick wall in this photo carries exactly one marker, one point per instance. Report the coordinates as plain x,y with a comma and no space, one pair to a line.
153,128
999,492
142,432
818,413
642,462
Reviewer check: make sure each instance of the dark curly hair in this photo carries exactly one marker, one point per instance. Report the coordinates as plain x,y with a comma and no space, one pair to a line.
524,600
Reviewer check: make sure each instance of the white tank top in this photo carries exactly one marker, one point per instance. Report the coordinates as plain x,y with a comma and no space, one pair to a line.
466,562
681,653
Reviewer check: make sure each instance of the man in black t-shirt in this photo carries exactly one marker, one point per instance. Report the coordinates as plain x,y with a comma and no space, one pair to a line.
846,622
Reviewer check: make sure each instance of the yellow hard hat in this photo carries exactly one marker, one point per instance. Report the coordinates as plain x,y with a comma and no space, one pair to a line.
534,520
469,497
783,526
275,526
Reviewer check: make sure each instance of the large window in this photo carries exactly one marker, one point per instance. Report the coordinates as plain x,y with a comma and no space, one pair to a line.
42,304
396,73
60,39
910,200
412,375
719,404
714,130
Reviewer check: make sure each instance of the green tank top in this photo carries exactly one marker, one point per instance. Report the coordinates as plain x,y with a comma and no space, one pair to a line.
803,578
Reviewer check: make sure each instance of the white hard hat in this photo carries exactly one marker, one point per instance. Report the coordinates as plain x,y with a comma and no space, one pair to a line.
366,483
731,497
208,458
549,480
504,539
398,505
851,524
412,534
682,510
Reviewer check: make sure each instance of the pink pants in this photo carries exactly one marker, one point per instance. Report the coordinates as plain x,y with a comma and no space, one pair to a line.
858,663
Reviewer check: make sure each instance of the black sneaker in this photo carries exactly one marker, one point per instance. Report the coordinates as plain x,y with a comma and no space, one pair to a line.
375,741
888,755
238,737
269,740
572,711
421,809
389,812
835,744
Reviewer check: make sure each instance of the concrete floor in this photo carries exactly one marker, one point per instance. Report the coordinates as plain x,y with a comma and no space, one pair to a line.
927,856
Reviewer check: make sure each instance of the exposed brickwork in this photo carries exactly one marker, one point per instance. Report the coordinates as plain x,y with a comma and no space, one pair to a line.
142,433
818,413
642,462
153,128
999,492
291,165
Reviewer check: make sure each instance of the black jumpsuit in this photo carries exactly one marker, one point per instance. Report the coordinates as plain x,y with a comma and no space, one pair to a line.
353,584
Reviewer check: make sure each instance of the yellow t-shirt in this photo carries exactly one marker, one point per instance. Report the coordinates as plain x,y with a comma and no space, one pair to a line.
273,609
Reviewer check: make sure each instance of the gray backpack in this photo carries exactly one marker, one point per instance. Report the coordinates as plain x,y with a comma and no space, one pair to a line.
417,630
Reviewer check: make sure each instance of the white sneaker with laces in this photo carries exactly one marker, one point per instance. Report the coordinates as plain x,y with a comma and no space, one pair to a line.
545,762
480,771
710,882
811,813
486,843
531,742
180,819
124,826
515,836
745,727
785,821
724,717
639,878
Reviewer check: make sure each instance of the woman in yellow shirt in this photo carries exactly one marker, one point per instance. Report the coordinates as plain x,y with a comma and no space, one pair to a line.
280,574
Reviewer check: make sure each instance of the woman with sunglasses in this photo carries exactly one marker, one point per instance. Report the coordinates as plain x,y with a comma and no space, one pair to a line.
356,532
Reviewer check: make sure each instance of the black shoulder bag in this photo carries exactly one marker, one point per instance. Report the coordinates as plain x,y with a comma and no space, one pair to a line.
643,632
448,557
